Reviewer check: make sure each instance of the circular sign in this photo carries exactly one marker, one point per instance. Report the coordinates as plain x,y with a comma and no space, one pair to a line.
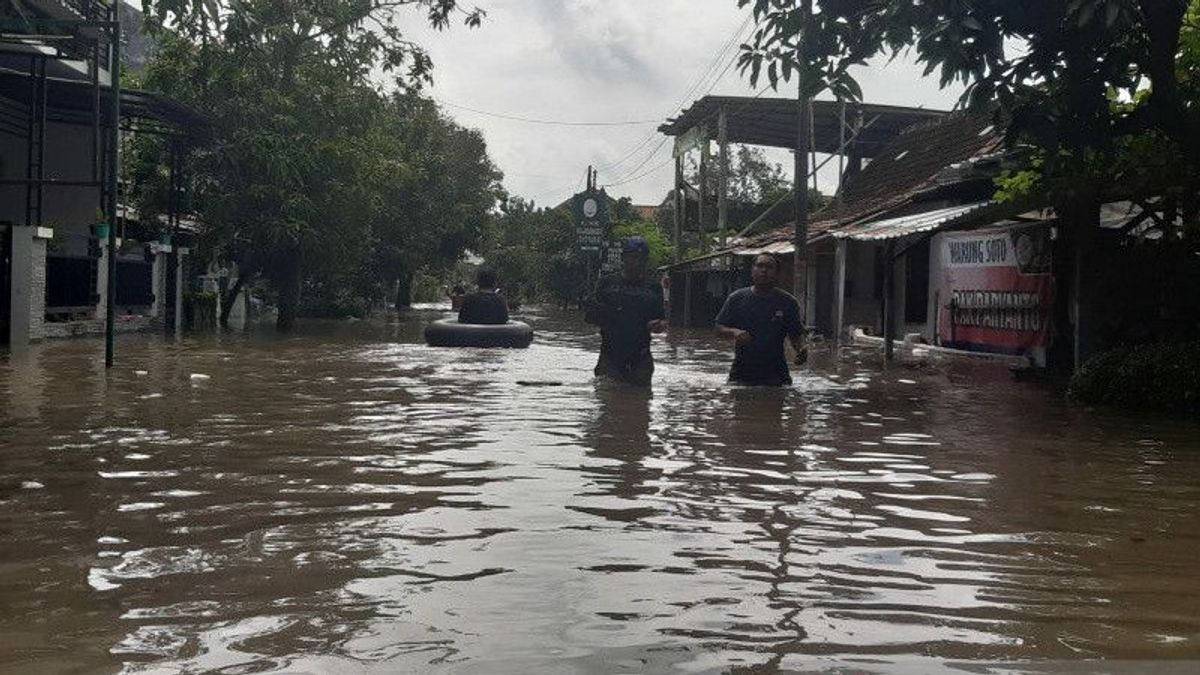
590,208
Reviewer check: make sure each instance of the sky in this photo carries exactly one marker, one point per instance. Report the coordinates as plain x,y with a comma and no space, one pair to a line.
609,61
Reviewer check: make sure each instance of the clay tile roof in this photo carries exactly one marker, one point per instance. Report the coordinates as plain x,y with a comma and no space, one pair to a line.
645,212
909,165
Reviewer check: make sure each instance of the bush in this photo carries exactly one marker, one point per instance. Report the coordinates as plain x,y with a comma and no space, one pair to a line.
1164,376
199,311
329,301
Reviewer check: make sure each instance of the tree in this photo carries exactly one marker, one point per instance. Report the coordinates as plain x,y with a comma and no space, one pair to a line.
1095,86
439,196
291,184
533,250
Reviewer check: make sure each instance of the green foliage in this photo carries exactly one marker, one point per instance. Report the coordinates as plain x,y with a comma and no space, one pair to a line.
314,176
1081,81
753,179
200,310
659,242
1164,377
533,252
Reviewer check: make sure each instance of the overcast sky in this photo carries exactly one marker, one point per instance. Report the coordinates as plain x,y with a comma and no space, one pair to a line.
605,61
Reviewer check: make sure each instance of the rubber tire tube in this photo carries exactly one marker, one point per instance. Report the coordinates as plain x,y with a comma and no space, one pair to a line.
451,333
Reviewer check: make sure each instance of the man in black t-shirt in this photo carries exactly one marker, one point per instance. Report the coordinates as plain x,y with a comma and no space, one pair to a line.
484,306
757,319
627,308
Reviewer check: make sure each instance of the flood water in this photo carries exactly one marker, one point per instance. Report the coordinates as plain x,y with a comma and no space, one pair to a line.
348,500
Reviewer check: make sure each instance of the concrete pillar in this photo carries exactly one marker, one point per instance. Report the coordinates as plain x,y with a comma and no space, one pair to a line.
28,295
158,280
102,280
240,311
839,289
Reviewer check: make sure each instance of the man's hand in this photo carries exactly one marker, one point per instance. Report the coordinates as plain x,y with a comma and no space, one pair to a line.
657,326
742,338
801,356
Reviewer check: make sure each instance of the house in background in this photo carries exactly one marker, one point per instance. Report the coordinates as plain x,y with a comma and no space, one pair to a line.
909,173
55,100
915,248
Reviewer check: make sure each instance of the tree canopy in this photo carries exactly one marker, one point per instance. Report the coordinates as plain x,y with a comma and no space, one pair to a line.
318,170
1101,89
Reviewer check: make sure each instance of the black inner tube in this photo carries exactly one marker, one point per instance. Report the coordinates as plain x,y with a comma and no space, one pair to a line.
451,333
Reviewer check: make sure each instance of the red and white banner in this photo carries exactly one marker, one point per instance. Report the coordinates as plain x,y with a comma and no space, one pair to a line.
996,291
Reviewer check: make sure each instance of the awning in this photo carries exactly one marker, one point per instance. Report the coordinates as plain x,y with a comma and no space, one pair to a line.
71,102
902,226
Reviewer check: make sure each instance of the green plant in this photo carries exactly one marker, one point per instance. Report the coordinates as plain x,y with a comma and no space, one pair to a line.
1159,376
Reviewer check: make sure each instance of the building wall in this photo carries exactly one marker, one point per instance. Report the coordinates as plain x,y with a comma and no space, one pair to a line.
70,210
67,211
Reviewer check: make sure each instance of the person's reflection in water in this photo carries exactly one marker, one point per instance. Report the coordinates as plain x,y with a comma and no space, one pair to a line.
620,438
765,422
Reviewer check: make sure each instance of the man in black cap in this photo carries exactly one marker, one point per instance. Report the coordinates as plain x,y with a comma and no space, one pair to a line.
484,306
628,308
757,319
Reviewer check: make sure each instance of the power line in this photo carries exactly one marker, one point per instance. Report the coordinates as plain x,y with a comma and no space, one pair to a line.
696,84
560,123
627,179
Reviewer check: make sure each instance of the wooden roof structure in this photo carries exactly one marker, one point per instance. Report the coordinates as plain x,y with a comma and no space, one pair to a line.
772,122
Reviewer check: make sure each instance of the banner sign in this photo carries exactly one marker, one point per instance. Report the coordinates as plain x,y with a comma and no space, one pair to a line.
591,220
996,291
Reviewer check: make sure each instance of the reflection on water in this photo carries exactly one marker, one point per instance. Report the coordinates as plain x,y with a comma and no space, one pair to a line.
348,500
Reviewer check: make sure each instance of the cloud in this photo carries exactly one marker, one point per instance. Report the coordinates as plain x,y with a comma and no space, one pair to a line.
604,60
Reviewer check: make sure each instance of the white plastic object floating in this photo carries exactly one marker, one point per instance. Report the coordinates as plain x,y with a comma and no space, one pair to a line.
141,373
200,377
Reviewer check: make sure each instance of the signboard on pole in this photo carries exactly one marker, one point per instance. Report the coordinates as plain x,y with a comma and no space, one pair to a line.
591,220
996,291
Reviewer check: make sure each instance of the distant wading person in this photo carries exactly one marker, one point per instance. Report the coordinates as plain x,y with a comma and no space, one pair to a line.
628,308
757,319
484,306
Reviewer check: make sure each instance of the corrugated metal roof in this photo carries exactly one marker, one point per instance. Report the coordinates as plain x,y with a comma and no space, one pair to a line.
893,228
773,248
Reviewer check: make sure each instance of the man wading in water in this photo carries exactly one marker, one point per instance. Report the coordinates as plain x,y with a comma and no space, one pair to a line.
628,308
757,319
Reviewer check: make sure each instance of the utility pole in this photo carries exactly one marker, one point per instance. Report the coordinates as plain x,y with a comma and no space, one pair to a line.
114,162
800,182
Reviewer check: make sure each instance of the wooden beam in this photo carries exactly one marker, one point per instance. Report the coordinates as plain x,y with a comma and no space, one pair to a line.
680,207
839,289
889,302
800,176
702,210
723,176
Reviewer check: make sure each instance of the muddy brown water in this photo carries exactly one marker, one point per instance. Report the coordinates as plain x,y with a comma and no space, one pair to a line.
348,500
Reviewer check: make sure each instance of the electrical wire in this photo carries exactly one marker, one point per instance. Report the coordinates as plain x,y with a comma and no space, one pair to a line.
692,88
560,123
629,177
625,177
